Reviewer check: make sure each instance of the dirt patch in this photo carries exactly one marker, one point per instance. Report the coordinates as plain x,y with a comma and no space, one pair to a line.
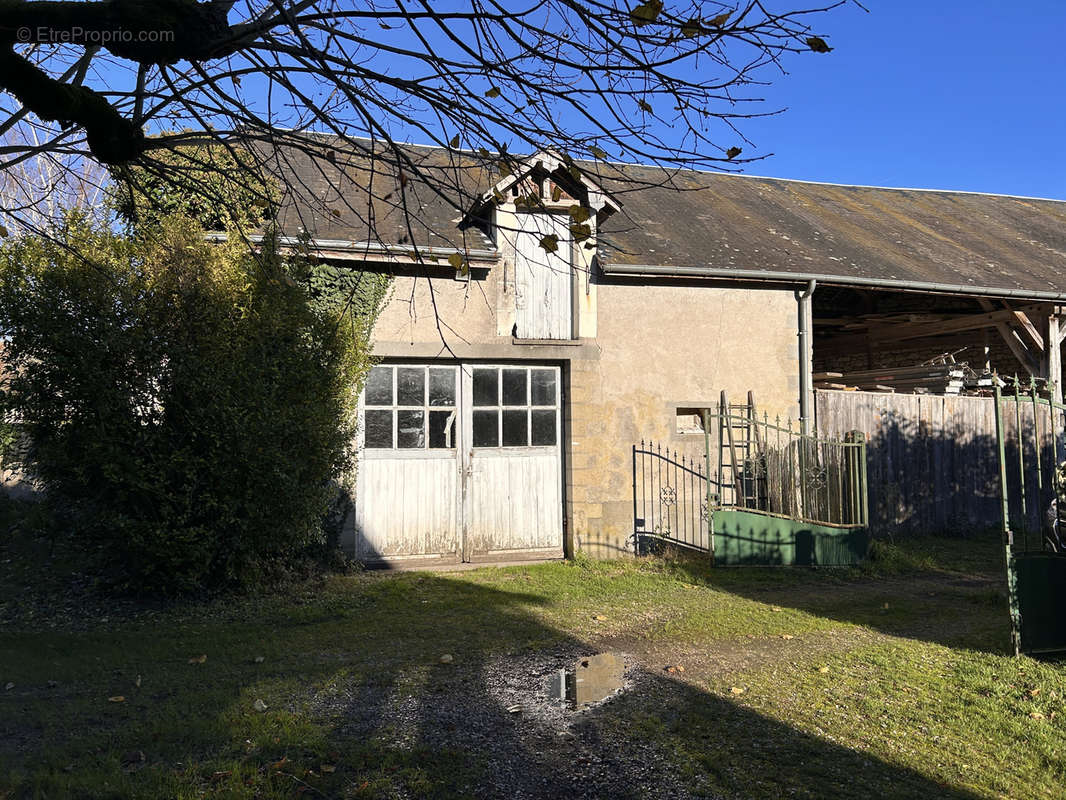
531,745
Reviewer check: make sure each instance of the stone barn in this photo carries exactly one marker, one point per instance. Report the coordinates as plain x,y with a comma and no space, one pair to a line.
567,311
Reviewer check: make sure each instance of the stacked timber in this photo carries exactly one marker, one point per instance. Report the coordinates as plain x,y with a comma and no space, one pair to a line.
924,379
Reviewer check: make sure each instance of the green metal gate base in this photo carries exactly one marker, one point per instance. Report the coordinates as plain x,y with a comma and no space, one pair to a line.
758,538
1041,592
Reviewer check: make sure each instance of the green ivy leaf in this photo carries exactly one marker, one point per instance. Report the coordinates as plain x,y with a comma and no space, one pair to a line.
550,243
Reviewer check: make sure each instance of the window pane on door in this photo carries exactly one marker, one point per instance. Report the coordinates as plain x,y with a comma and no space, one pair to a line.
485,387
543,427
378,431
410,386
543,389
515,433
410,429
514,387
441,429
442,386
379,387
486,429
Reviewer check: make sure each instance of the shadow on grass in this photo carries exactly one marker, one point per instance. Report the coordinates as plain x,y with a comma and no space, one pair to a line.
360,705
946,590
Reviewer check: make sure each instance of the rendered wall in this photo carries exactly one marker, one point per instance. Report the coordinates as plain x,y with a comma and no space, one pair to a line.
661,348
644,350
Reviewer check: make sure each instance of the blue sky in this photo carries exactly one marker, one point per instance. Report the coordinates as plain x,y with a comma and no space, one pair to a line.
935,94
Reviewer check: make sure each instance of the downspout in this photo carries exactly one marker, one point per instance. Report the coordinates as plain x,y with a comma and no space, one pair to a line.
803,300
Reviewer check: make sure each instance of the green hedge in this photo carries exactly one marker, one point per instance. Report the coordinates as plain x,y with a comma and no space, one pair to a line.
190,407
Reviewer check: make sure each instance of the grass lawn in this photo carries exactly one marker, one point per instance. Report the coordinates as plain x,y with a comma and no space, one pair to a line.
891,681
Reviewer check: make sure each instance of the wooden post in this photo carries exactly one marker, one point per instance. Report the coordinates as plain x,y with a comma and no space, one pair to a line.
1053,355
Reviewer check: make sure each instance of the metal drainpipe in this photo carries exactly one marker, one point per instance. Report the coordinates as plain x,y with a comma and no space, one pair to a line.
803,299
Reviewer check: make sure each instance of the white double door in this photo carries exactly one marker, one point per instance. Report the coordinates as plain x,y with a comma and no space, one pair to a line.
459,462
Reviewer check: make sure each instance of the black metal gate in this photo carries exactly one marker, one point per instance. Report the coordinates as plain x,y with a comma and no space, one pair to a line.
756,492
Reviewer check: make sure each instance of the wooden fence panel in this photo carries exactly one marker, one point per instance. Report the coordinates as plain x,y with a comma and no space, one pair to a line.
932,462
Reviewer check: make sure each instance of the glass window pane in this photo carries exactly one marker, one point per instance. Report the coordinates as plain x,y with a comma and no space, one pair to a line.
543,390
410,429
486,432
378,425
543,427
379,387
442,429
514,387
410,386
442,386
515,433
485,387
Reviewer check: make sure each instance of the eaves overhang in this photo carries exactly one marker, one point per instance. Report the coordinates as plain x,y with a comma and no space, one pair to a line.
848,281
348,250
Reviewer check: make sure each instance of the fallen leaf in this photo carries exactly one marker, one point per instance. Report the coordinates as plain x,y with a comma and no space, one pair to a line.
279,764
198,659
599,617
736,690
776,608
1036,715
327,768
1034,692
259,659
515,709
137,682
823,670
447,658
8,686
787,636
259,705
116,699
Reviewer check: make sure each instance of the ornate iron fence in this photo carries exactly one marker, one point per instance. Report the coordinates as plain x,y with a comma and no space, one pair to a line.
750,464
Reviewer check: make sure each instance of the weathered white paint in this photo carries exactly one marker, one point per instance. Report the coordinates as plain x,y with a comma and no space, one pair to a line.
513,496
467,503
543,280
514,502
407,505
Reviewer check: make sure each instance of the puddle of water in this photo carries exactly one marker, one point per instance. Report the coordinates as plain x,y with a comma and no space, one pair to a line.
590,680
